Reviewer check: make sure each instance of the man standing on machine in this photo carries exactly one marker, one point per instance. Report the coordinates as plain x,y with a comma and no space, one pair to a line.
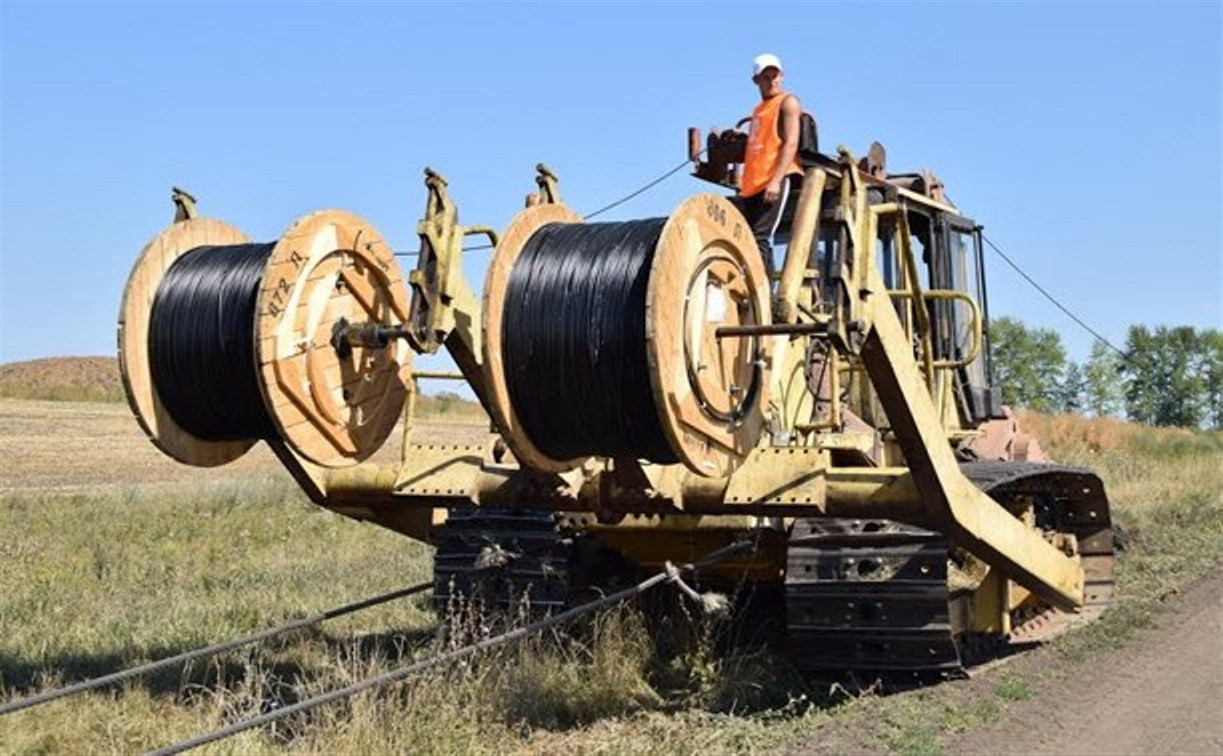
771,173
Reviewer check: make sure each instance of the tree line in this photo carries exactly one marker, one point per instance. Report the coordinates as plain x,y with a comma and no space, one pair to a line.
1166,376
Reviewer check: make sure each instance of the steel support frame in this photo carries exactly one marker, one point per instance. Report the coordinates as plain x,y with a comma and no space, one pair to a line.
952,503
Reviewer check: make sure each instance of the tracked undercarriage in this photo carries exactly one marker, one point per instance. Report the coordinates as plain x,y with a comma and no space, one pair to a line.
505,559
860,595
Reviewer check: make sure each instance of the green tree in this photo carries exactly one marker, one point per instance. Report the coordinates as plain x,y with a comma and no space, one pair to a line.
446,401
1165,383
1072,390
1029,364
1212,373
1104,389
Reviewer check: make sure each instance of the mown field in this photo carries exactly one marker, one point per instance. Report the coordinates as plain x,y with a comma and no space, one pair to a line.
112,555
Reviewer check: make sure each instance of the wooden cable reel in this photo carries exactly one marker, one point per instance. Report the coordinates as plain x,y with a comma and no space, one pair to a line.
709,393
333,410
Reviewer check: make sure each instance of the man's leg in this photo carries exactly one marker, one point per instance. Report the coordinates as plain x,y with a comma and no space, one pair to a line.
768,218
742,204
755,211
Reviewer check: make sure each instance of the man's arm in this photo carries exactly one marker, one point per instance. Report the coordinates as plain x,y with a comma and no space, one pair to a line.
791,110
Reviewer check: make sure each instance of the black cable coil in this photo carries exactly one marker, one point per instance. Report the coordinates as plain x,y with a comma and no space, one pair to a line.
573,341
202,342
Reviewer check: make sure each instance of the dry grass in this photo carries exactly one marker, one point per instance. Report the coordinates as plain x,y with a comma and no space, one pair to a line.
103,569
1082,440
1069,436
77,447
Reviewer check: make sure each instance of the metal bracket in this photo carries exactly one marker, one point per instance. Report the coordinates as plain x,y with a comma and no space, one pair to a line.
437,280
184,204
549,193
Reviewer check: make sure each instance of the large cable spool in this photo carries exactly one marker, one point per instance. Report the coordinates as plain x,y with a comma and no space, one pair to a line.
671,283
223,342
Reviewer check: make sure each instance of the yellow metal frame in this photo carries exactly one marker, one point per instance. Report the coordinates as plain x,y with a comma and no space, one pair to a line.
875,351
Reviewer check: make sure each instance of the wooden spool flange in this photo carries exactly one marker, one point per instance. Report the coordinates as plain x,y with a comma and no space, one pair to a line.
155,259
333,411
706,272
710,393
496,282
331,265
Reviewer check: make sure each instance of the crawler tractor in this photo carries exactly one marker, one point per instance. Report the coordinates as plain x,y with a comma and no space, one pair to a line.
841,420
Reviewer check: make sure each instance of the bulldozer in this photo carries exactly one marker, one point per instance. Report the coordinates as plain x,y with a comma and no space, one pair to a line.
840,419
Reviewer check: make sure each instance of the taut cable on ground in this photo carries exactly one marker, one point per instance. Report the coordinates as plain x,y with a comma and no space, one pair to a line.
127,674
669,575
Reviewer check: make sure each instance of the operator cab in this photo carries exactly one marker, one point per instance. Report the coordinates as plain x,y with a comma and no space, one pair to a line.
951,249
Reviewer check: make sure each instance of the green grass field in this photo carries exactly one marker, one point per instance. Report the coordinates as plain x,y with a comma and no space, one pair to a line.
92,582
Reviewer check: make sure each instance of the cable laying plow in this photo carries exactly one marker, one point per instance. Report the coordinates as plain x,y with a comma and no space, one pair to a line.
842,417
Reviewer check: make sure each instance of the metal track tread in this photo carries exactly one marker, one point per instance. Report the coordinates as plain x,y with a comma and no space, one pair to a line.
873,595
867,595
504,559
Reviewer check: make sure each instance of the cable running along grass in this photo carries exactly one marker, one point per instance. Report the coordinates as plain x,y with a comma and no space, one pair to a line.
671,575
205,651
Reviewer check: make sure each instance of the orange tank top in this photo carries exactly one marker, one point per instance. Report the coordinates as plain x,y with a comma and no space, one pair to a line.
764,147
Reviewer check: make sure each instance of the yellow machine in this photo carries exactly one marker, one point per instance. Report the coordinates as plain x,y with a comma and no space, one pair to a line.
855,440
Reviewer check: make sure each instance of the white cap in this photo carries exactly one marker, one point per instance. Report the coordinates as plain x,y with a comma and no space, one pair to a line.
765,61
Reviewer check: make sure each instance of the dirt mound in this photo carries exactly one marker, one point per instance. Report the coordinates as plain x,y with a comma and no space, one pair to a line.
79,379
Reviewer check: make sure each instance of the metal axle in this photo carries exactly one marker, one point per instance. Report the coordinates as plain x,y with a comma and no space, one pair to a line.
345,336
770,329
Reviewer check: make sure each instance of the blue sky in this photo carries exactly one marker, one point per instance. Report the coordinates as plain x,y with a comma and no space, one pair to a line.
1085,137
